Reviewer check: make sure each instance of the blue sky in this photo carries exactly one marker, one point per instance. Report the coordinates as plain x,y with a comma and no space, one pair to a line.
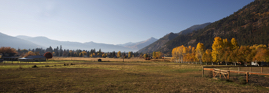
109,21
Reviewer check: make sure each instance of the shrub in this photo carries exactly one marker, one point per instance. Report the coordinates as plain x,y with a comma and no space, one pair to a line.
48,55
34,66
47,66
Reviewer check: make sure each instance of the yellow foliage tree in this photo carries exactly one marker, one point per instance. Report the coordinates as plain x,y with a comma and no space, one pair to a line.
82,53
29,53
119,54
177,53
207,56
199,51
129,54
159,54
154,55
216,48
262,55
234,44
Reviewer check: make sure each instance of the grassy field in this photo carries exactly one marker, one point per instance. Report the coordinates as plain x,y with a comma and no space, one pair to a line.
89,76
166,59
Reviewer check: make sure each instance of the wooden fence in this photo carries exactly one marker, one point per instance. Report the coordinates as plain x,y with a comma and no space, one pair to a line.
226,73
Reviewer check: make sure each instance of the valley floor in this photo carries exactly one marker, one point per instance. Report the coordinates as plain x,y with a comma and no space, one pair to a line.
83,76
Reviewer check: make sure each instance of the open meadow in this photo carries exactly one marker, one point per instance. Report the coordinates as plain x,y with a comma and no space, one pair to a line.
115,76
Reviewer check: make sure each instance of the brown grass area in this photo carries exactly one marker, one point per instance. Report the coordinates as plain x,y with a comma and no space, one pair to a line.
116,77
167,59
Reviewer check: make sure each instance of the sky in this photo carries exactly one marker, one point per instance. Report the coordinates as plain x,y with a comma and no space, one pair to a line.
109,21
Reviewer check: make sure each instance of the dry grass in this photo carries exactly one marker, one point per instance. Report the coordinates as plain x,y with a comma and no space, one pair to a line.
167,59
114,77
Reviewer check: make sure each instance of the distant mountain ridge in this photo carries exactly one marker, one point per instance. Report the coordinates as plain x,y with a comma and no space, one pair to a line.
139,45
44,41
162,41
9,41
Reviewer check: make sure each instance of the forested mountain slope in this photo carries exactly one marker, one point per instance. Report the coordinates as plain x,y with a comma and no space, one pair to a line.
159,43
248,25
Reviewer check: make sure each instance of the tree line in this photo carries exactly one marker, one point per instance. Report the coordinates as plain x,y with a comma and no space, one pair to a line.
67,53
222,51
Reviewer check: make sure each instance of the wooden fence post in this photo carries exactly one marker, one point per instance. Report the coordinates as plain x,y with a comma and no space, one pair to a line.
247,77
203,71
261,69
213,72
238,70
228,75
250,69
219,74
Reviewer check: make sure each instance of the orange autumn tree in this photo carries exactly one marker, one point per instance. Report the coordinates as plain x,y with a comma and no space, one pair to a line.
7,50
262,55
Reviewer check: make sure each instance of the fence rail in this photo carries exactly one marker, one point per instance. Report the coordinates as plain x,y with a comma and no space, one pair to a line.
226,73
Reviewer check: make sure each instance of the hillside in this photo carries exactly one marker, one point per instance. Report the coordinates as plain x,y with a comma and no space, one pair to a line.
248,25
9,41
159,43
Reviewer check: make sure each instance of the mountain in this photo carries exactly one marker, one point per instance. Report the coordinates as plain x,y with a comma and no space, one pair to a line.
248,26
44,41
192,28
139,45
9,41
159,43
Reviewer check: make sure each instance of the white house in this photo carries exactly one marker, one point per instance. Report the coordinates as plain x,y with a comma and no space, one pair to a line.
33,59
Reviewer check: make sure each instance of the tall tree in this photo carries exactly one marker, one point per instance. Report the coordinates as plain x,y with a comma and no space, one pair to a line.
119,54
216,48
154,55
130,54
199,51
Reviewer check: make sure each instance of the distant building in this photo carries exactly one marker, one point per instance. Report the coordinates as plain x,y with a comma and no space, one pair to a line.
9,57
33,59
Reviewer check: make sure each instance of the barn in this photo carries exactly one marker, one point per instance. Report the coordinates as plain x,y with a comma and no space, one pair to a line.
33,59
